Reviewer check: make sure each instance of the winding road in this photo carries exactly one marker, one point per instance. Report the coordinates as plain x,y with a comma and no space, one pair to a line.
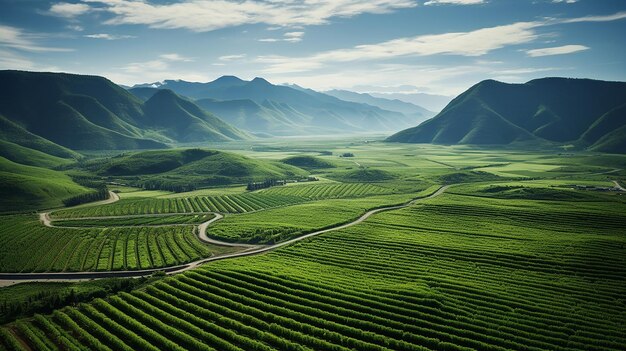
13,278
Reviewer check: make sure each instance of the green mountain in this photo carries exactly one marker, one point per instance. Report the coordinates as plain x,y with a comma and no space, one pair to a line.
261,107
91,113
583,112
308,162
187,169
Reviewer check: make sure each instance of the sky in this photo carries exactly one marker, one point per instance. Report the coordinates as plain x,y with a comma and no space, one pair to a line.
394,46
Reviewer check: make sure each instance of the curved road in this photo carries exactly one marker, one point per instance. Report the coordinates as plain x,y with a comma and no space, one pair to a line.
12,278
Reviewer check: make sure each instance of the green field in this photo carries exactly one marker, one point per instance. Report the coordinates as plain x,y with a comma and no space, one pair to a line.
96,249
437,275
525,251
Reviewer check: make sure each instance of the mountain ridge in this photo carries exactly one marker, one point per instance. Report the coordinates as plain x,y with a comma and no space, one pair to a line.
556,110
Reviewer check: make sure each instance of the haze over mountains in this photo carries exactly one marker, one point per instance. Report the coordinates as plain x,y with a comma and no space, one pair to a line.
260,107
582,112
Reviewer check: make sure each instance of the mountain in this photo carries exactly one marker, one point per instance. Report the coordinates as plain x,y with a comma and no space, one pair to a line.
432,102
583,112
409,109
81,112
259,106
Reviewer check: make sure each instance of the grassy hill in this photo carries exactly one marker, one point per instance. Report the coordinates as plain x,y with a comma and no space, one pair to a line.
558,110
185,169
92,113
308,162
25,187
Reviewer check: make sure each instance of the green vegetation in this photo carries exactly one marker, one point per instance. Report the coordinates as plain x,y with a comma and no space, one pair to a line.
364,175
236,203
26,299
308,162
96,249
581,112
437,275
329,191
276,225
135,220
526,254
188,169
28,187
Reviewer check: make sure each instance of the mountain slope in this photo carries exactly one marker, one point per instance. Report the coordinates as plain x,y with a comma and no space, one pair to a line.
560,110
282,109
89,112
411,110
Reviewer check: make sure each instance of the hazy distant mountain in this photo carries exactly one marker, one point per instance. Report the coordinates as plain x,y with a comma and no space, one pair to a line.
259,106
396,105
432,102
583,112
88,112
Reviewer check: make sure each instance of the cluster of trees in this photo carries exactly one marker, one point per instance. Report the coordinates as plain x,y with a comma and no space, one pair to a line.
264,184
47,301
347,154
99,194
177,187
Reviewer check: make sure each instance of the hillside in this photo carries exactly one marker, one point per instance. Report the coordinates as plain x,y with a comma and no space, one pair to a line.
186,169
586,113
308,162
28,187
261,107
92,113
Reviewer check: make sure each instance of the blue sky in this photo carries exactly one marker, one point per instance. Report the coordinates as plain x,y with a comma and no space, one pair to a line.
436,46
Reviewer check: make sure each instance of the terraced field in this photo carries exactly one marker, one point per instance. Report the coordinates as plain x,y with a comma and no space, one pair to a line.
91,249
434,276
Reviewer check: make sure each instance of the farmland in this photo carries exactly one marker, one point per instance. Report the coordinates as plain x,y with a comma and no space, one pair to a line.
91,249
512,256
410,279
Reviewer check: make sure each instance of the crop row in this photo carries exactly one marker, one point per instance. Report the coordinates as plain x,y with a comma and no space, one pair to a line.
395,282
59,249
149,220
329,191
237,203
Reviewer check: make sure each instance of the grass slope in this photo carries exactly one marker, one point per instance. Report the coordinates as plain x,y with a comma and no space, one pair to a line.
28,187
308,162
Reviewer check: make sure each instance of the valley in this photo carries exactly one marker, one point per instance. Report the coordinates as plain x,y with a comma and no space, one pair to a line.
400,247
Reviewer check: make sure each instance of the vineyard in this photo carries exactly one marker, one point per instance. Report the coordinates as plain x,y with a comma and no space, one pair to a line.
280,224
91,249
141,220
236,203
330,191
434,276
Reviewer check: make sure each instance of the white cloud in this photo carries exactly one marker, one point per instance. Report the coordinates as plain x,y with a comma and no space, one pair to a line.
68,10
200,15
176,58
454,2
10,60
475,43
565,1
291,37
107,36
559,50
294,37
606,18
17,39
231,57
